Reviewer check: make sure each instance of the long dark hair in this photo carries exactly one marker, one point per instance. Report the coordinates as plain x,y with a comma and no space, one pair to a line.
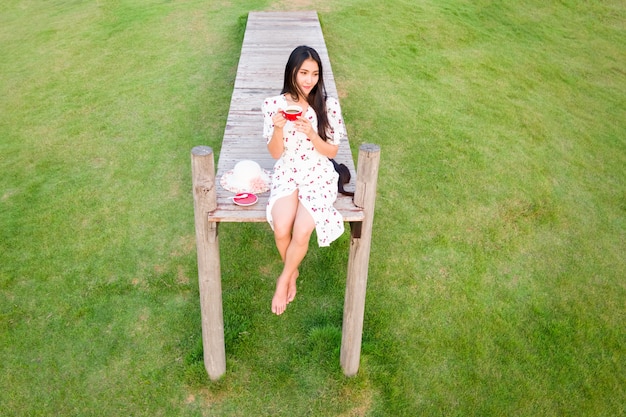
317,96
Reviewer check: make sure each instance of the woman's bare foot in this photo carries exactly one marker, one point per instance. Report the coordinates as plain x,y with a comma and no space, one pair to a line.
291,288
279,302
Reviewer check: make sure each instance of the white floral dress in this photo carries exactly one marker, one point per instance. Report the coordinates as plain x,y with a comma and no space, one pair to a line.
303,168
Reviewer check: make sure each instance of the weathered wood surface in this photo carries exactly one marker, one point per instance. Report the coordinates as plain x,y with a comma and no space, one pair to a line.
209,273
358,260
269,39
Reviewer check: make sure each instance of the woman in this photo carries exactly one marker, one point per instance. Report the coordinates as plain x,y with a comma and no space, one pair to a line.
304,183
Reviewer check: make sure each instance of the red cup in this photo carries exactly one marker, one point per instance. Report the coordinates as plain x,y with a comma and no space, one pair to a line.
292,112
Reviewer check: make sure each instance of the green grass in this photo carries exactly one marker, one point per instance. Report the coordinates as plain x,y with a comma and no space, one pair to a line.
496,282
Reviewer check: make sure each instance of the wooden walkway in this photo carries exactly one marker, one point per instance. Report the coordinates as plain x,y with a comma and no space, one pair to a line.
269,39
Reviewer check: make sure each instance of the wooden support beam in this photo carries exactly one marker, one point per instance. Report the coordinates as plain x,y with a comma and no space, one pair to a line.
209,274
358,260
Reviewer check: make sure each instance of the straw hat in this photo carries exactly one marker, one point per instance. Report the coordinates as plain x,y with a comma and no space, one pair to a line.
246,177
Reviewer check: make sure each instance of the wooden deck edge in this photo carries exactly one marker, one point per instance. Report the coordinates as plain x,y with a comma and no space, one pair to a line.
256,214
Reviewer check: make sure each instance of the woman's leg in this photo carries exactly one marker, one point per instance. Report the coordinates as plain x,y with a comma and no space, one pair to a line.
303,226
283,216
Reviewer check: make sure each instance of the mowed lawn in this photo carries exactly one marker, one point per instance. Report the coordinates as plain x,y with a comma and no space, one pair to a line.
497,274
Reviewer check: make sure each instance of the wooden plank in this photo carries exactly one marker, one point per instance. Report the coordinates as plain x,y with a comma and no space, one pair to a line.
269,39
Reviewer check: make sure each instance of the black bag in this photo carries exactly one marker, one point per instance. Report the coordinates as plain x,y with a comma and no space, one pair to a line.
344,177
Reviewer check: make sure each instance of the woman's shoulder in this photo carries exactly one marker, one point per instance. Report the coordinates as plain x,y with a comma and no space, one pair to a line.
332,101
274,100
332,105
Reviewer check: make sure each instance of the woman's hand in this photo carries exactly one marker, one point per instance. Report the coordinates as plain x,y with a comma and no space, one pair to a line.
303,125
327,149
279,119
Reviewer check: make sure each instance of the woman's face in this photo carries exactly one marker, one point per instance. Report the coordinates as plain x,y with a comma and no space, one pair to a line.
307,76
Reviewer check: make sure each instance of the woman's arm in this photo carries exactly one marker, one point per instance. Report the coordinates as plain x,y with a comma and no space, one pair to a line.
276,146
325,148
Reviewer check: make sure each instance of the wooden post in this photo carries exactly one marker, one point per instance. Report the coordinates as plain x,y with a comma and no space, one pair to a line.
209,274
358,260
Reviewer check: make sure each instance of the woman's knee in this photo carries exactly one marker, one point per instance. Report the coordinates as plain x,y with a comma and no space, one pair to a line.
283,214
302,232
282,229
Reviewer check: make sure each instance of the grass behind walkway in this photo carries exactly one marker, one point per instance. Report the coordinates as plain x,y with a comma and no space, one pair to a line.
496,279
503,173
